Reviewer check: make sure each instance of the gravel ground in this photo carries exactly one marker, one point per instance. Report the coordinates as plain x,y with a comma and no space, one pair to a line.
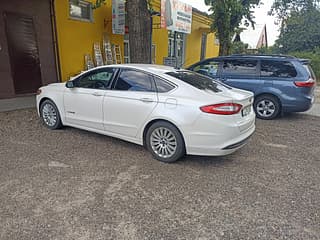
315,109
72,184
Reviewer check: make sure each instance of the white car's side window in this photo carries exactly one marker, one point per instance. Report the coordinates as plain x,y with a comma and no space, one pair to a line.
99,79
131,80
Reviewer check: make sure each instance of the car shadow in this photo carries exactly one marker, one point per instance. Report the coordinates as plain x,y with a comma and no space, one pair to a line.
289,116
293,116
187,160
205,161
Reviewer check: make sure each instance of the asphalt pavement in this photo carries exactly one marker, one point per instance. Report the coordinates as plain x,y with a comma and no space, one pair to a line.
73,184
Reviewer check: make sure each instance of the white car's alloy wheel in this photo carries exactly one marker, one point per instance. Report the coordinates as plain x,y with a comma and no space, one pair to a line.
163,142
50,115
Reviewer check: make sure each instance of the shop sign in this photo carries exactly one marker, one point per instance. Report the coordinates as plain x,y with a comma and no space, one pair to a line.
118,17
176,16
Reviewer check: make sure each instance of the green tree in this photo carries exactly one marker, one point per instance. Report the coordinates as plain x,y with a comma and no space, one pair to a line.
283,8
314,56
227,16
301,31
239,48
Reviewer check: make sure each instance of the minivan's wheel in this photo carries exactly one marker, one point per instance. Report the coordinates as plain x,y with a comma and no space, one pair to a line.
267,107
50,115
165,142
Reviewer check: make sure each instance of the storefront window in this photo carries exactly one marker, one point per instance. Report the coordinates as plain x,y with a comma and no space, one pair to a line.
203,46
153,55
126,54
80,10
178,46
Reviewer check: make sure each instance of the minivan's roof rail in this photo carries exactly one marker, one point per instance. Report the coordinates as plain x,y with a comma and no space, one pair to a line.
262,55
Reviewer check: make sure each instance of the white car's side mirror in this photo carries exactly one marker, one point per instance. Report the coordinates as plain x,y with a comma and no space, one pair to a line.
70,84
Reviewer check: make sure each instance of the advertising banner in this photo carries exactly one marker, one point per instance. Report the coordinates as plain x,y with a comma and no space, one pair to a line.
118,17
176,16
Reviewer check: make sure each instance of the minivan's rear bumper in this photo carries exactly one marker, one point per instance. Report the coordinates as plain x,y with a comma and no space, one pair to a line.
299,105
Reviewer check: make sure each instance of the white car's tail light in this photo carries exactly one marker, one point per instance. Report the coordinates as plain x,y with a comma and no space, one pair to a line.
222,108
39,91
310,83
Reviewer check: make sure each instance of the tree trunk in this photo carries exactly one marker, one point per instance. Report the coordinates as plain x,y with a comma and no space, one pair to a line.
139,21
225,41
222,48
225,47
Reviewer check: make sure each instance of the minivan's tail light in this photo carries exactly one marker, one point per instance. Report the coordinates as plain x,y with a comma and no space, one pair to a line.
310,83
39,91
222,108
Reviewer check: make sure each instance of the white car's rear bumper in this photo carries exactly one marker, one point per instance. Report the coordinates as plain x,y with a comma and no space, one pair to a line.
225,139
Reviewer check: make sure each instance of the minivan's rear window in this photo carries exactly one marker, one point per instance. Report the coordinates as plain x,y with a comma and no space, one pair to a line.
281,69
197,80
310,71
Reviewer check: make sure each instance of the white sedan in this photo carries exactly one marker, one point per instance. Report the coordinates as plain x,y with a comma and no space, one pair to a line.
172,112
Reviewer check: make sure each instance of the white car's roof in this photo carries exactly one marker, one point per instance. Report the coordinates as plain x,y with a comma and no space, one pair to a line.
153,68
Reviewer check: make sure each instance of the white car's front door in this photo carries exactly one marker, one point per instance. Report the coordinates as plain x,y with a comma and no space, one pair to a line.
83,103
128,105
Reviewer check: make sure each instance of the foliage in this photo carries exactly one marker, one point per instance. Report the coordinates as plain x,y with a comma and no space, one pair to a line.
269,50
301,32
239,48
283,8
227,17
314,56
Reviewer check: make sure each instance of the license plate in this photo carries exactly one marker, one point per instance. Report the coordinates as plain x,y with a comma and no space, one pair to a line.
246,111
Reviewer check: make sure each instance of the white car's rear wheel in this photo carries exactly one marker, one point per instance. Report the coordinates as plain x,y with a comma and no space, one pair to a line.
165,142
50,115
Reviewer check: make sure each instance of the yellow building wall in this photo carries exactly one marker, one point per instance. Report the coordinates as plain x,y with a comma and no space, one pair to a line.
159,36
200,25
212,46
76,38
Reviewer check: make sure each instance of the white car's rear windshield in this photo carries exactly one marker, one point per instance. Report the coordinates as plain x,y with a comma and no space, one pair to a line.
197,80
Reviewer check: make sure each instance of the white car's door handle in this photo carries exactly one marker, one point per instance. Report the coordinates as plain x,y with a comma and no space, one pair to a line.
97,94
146,99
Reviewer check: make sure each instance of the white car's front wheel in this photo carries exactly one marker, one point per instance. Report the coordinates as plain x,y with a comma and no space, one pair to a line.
165,142
50,115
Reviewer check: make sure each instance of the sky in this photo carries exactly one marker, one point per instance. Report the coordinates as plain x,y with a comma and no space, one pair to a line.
251,36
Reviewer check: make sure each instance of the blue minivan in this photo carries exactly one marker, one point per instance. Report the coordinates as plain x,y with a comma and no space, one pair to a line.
280,83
